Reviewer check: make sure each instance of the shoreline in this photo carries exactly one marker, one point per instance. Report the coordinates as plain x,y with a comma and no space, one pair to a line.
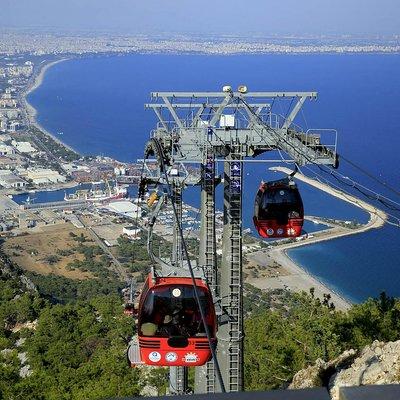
30,111
306,280
298,277
340,300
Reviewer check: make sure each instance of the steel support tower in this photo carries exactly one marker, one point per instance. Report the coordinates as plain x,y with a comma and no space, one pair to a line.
230,330
205,128
178,376
205,375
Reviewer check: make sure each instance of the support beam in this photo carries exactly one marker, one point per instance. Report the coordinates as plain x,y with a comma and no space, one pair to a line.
173,112
178,380
157,111
177,247
294,112
198,115
204,105
178,376
219,110
311,95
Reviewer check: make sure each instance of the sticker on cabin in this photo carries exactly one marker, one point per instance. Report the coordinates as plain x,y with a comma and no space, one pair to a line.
154,356
191,358
171,357
270,231
279,231
291,231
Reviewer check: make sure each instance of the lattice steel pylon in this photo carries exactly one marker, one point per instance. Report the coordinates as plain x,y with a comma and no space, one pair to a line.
205,375
209,127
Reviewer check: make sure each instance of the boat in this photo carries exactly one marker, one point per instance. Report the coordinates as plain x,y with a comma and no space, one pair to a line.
100,192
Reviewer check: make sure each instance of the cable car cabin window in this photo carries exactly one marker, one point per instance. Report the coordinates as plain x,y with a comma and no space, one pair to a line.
173,311
281,204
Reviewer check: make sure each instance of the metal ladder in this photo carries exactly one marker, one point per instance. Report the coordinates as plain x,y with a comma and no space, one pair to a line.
235,306
230,332
177,247
178,380
205,375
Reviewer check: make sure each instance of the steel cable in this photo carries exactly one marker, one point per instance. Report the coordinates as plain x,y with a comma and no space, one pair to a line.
185,249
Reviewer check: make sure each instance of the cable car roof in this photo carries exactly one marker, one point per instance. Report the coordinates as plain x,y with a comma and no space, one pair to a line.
174,280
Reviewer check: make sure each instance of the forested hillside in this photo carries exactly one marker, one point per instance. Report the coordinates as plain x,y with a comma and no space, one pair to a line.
67,339
280,342
57,351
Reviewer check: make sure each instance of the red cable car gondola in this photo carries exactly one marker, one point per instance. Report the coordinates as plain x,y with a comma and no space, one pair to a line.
170,328
278,209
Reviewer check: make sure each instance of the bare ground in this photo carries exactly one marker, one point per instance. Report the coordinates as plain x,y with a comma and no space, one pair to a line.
31,251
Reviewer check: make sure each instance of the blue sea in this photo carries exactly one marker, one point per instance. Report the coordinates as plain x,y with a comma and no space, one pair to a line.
98,104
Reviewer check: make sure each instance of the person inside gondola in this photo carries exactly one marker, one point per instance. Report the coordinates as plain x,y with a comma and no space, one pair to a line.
166,314
279,204
183,322
167,328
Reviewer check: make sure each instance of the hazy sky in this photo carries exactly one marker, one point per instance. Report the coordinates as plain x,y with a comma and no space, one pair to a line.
214,16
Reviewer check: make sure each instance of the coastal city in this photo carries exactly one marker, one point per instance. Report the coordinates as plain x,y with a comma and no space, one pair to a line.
94,190
199,198
48,43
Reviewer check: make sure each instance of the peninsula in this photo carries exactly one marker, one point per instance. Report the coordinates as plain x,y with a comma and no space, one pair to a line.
295,278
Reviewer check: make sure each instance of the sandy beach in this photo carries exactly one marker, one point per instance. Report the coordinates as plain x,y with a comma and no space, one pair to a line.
30,112
296,278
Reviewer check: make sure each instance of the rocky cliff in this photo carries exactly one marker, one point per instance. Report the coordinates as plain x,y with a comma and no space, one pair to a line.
376,364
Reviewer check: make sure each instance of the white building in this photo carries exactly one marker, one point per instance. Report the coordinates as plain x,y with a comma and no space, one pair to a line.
9,180
9,112
118,171
71,167
7,94
42,176
124,208
13,126
131,231
3,124
6,150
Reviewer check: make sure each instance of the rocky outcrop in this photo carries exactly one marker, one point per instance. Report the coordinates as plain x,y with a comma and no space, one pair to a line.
376,364
26,325
320,373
